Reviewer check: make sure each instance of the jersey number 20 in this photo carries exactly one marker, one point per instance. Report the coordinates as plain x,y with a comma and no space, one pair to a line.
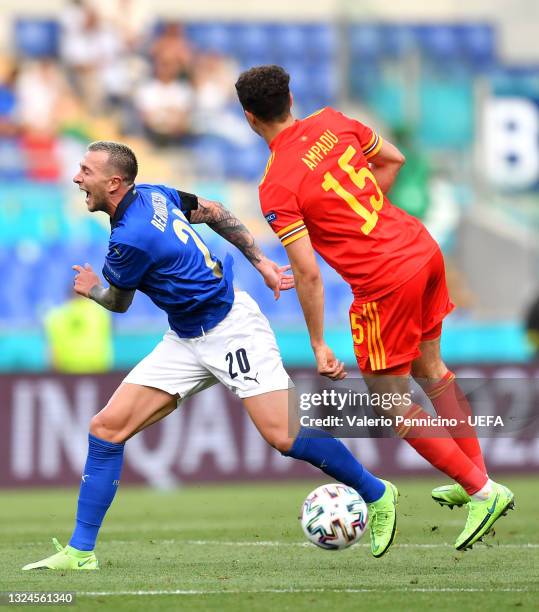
359,178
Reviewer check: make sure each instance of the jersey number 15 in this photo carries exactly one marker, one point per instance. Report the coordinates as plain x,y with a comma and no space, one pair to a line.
359,178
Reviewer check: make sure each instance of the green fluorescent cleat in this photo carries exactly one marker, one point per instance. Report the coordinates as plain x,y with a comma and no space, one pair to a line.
67,558
450,495
383,520
483,514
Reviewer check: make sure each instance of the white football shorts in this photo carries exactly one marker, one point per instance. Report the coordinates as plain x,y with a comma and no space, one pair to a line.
241,352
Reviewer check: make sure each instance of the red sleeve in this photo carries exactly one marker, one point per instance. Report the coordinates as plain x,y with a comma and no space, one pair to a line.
370,141
282,212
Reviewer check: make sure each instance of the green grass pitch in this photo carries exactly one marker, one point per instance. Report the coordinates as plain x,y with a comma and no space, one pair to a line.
241,548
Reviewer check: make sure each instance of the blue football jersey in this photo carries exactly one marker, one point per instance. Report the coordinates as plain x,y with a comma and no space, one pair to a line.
154,248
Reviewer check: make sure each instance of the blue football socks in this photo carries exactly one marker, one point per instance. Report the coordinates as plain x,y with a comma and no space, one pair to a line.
100,481
322,450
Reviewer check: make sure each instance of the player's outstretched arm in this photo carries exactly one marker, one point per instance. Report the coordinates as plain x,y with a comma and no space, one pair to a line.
385,165
310,290
226,224
87,284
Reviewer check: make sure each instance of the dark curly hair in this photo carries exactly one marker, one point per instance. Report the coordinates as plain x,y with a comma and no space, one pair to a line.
264,91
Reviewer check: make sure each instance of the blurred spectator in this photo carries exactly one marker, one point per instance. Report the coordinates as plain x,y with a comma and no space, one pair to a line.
41,156
130,21
164,104
129,18
93,54
172,46
79,336
8,100
215,99
40,88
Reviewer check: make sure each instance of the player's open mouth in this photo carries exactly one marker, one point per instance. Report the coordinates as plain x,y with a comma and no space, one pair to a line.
87,194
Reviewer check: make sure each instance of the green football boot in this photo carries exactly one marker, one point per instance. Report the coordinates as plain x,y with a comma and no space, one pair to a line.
67,558
483,514
450,495
383,520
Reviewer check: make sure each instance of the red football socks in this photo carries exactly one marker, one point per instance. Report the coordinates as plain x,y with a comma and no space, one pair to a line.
450,402
437,446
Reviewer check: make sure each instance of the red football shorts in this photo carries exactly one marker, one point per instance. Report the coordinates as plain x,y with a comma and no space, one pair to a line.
388,331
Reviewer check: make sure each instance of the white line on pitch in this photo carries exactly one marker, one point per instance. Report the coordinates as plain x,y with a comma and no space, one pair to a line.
271,543
292,590
308,544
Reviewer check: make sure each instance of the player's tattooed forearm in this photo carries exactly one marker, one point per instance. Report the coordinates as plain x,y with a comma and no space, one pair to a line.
114,299
233,230
226,224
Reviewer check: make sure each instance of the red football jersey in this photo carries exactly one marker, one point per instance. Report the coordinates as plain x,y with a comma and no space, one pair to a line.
318,181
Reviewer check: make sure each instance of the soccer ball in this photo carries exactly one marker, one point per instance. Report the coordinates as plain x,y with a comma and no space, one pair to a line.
334,516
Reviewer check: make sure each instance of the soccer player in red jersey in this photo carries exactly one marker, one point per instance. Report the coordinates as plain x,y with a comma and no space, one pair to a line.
324,189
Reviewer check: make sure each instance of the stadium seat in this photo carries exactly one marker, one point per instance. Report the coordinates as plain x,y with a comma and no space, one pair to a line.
323,81
12,161
8,101
365,42
364,76
322,41
246,163
195,32
398,40
6,271
248,279
252,44
290,42
141,309
287,310
300,78
309,105
209,156
479,45
212,37
22,275
37,37
54,284
439,42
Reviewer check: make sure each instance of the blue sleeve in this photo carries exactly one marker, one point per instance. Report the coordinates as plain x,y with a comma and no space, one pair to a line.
125,265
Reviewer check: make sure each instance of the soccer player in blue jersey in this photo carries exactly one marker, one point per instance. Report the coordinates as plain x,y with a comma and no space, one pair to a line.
215,335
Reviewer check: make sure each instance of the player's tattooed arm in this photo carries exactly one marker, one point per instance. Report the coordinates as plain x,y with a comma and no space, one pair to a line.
226,224
87,283
113,298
